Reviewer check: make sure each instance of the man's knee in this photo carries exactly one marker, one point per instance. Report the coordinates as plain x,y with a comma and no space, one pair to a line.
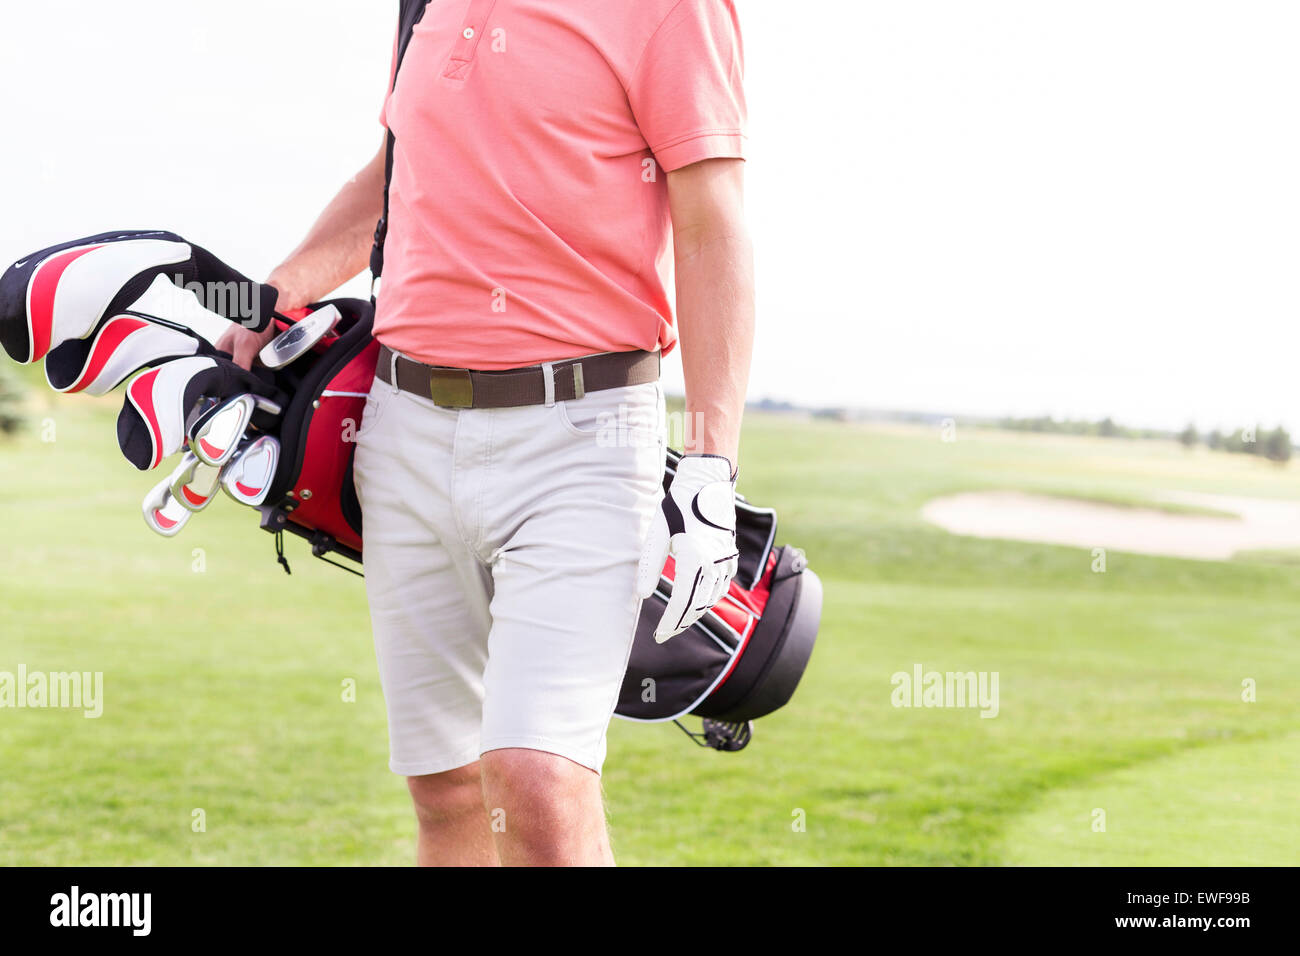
546,810
447,796
537,781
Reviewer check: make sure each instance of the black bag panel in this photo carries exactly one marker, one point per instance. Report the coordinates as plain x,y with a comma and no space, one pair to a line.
755,533
683,668
349,503
777,653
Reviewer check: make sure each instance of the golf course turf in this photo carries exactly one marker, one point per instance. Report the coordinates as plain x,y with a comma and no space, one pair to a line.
243,724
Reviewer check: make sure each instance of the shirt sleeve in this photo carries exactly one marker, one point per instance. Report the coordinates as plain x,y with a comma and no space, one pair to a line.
687,89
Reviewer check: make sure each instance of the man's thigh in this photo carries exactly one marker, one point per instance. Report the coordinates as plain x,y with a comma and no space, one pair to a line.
428,593
564,605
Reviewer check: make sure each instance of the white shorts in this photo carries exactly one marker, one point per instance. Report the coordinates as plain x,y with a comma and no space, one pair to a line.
501,549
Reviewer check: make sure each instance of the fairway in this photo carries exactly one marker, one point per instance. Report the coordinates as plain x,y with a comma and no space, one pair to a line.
242,720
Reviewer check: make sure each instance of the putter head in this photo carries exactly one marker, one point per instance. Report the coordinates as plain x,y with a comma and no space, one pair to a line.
247,477
194,483
162,512
215,434
299,339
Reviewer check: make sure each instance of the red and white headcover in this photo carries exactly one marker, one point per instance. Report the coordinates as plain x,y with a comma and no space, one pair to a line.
122,345
152,423
66,292
69,290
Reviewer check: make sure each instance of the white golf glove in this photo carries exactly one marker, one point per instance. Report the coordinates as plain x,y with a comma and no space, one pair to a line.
696,524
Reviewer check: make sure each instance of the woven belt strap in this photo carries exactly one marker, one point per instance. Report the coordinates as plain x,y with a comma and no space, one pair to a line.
465,388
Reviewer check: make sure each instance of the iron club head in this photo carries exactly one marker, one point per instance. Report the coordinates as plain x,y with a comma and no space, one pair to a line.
215,434
247,477
194,483
162,512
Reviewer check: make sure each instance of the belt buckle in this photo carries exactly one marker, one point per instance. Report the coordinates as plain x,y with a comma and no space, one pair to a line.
451,387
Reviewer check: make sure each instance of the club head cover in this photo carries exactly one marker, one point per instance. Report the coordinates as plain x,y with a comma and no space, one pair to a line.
194,482
162,512
120,347
65,291
151,425
247,478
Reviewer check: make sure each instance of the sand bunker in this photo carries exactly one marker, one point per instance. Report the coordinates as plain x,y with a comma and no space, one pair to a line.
1261,524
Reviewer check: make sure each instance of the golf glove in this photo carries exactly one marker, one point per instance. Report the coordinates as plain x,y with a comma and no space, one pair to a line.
696,524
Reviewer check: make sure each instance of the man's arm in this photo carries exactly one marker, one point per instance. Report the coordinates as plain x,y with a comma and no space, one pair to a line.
715,300
335,249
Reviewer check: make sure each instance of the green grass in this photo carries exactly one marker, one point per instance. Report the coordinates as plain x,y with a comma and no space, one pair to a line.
1120,690
1162,812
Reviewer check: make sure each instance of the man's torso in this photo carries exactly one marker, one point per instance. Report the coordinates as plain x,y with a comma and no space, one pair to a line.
529,219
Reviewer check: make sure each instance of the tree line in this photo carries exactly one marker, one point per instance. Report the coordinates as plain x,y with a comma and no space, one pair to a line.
1274,444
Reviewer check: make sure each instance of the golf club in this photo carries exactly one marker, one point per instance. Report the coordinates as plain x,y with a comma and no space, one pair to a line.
194,483
299,339
247,477
216,432
162,512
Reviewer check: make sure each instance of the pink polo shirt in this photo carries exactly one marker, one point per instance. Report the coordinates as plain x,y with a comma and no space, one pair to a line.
529,216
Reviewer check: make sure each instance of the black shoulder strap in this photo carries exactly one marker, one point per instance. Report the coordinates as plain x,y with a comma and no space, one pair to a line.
412,11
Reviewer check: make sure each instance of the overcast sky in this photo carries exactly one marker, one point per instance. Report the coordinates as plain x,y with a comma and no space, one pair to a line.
961,206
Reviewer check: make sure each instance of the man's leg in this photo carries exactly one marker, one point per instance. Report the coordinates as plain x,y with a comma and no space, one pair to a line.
454,829
428,597
572,505
549,809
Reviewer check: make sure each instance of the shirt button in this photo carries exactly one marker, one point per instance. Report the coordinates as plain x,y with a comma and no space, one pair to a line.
468,33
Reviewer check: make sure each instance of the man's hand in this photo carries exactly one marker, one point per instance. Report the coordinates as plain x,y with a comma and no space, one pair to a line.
243,344
696,524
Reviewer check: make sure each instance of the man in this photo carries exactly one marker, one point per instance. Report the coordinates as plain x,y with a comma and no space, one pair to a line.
547,151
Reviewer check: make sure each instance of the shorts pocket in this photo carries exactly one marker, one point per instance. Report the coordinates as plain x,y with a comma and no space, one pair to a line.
378,400
631,416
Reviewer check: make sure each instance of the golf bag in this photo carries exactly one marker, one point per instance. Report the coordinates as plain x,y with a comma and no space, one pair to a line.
312,494
742,659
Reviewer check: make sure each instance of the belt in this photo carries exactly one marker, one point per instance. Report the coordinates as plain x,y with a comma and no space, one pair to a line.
567,380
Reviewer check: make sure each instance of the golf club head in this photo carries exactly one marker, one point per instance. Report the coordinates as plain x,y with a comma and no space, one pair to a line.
162,512
247,477
215,434
298,339
194,483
